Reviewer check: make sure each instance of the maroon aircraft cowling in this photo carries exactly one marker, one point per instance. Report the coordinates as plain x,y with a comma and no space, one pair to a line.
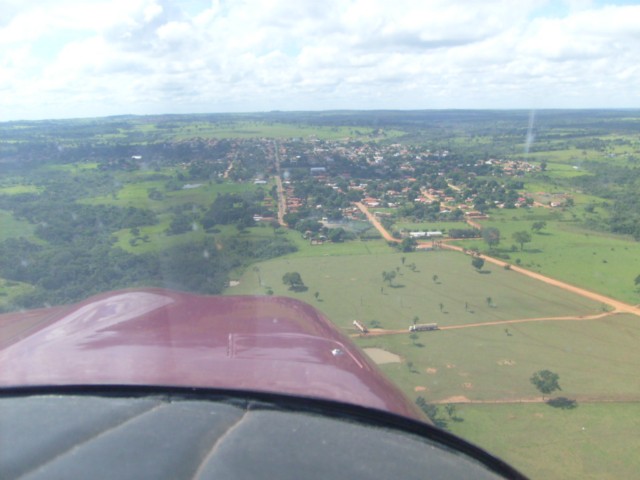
166,338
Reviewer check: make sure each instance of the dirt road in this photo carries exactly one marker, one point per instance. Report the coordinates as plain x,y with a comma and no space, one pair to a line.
282,198
617,305
375,332
374,221
282,202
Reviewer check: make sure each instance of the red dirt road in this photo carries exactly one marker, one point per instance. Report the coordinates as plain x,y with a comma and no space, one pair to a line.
617,305
374,221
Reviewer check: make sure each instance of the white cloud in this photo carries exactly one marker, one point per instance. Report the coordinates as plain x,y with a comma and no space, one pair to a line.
71,57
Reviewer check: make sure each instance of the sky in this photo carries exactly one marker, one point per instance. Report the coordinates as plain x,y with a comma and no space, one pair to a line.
88,58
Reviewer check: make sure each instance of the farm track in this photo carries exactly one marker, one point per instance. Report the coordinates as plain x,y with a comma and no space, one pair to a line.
618,306
376,223
378,332
282,199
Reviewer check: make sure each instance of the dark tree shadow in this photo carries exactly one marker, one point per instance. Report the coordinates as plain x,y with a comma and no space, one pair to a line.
397,286
299,288
563,403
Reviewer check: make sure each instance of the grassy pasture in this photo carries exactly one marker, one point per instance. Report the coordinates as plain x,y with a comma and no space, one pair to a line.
600,262
592,441
431,226
131,195
136,194
157,238
563,170
10,227
17,189
71,167
9,290
350,288
596,360
305,249
273,130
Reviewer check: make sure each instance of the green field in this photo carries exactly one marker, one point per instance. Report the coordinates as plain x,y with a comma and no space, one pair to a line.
601,262
350,288
593,441
276,130
137,194
10,290
12,228
17,189
428,226
596,359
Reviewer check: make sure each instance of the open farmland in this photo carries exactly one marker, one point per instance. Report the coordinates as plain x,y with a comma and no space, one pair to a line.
597,441
352,288
132,202
598,261
484,370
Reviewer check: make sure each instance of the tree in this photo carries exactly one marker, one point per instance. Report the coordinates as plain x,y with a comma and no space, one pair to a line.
491,235
545,381
432,412
180,224
336,235
435,279
489,301
636,282
389,277
294,280
477,263
521,237
537,226
408,244
451,410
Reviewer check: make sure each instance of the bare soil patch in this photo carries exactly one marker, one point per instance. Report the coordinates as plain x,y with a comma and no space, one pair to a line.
455,399
380,356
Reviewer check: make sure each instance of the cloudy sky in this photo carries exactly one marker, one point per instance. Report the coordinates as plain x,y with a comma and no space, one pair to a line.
79,58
